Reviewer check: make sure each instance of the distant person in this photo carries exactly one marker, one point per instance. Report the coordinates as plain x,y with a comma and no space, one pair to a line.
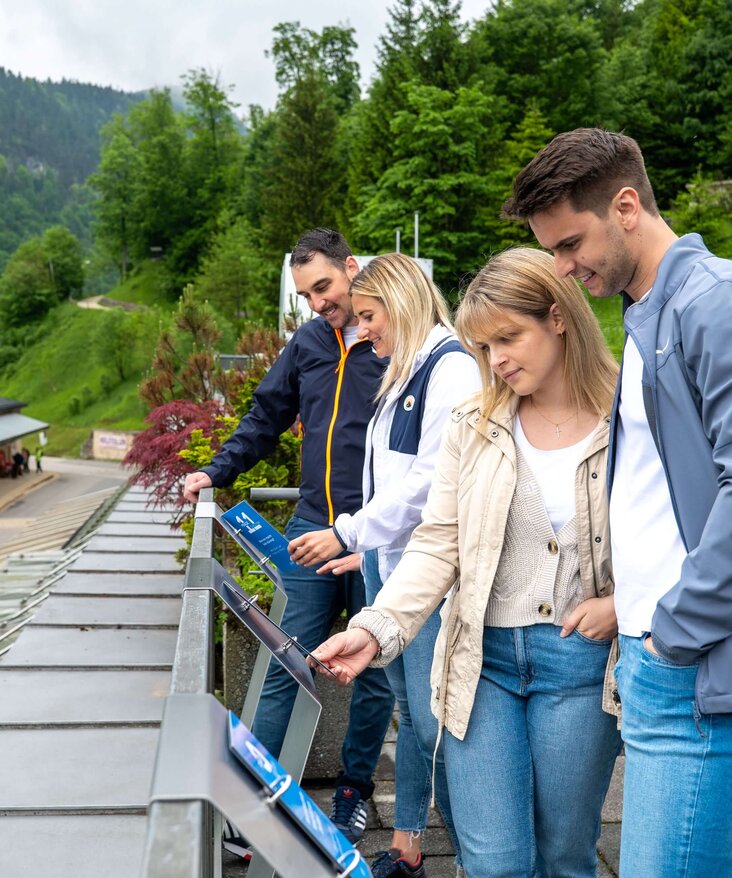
39,458
18,462
516,530
588,199
330,377
26,457
404,316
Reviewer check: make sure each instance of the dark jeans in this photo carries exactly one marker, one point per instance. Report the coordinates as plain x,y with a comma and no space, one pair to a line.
314,602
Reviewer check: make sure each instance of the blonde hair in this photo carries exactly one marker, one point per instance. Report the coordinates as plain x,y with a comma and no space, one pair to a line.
523,280
413,306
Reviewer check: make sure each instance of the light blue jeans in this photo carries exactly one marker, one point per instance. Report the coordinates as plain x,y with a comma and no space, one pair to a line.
677,799
409,678
528,781
314,602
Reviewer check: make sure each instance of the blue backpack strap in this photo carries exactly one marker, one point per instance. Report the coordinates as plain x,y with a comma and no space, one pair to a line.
406,426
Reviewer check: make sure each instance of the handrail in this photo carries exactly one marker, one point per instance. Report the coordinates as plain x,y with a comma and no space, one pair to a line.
180,841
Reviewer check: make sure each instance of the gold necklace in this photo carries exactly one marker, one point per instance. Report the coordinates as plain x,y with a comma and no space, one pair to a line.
549,420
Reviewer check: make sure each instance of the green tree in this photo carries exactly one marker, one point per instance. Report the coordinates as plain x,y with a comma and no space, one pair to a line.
548,51
63,255
116,183
214,155
445,144
26,289
160,192
121,341
235,278
705,207
300,54
303,176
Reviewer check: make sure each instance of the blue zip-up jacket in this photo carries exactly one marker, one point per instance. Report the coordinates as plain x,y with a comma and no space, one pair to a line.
683,331
332,389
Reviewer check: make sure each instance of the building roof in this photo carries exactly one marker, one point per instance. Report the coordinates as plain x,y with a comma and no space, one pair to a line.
13,426
10,405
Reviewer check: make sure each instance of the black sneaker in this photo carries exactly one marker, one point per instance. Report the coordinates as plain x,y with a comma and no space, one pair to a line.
391,864
234,842
349,813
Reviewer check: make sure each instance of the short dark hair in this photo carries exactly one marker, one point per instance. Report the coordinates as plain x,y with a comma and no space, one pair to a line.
586,167
330,243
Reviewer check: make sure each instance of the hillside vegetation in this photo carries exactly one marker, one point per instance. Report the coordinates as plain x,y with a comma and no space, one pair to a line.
186,198
69,376
49,144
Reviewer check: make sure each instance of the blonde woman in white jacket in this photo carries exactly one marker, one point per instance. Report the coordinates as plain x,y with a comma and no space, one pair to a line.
516,525
402,313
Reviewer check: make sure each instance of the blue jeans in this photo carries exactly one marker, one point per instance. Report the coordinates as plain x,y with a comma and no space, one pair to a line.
409,678
528,781
677,816
314,602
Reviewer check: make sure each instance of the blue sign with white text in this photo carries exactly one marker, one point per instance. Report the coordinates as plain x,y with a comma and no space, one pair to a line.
293,798
257,530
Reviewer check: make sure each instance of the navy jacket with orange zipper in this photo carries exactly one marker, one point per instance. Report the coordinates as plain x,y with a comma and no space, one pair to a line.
332,389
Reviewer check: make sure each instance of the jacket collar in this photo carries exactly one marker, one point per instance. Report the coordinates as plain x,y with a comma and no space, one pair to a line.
673,270
437,334
499,427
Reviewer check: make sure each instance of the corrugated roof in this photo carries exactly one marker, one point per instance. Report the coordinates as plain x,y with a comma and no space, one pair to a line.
14,426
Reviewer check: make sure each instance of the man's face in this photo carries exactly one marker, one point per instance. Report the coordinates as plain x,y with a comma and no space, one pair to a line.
592,249
325,288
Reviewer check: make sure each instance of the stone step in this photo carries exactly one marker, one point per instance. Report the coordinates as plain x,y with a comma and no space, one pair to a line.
119,612
103,562
137,543
137,530
71,846
40,646
76,768
81,697
129,584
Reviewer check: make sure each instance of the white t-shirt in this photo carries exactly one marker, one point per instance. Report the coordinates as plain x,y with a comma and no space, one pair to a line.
647,548
555,471
350,335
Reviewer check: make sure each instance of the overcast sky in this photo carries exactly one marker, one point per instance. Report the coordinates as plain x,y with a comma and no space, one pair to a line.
137,44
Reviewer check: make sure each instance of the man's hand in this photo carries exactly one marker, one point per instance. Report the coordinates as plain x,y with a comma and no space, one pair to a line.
315,547
347,654
342,565
648,644
193,484
595,618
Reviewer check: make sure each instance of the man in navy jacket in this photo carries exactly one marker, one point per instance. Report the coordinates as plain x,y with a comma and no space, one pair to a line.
588,199
330,378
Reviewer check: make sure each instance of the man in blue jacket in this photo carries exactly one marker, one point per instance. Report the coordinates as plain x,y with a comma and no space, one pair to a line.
330,378
587,198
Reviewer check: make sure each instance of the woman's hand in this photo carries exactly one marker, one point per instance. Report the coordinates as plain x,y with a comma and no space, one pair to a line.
342,565
315,547
346,654
595,618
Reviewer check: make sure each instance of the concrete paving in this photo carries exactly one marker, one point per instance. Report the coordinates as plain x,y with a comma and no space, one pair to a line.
61,846
130,584
81,699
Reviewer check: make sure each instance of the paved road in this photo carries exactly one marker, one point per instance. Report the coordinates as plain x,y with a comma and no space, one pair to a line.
73,478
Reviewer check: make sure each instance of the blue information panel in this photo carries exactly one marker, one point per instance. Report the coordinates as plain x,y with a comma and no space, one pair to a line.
245,519
295,801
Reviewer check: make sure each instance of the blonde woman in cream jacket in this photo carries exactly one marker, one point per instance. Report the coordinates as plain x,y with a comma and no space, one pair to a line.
516,525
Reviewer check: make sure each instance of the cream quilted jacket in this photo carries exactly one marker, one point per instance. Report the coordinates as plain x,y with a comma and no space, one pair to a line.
457,547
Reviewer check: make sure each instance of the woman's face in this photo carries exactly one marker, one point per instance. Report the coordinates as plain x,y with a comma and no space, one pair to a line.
528,354
373,324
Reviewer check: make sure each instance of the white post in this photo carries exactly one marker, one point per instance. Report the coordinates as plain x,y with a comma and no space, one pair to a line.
398,240
416,234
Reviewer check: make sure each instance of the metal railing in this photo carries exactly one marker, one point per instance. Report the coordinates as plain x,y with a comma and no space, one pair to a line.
180,835
194,780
